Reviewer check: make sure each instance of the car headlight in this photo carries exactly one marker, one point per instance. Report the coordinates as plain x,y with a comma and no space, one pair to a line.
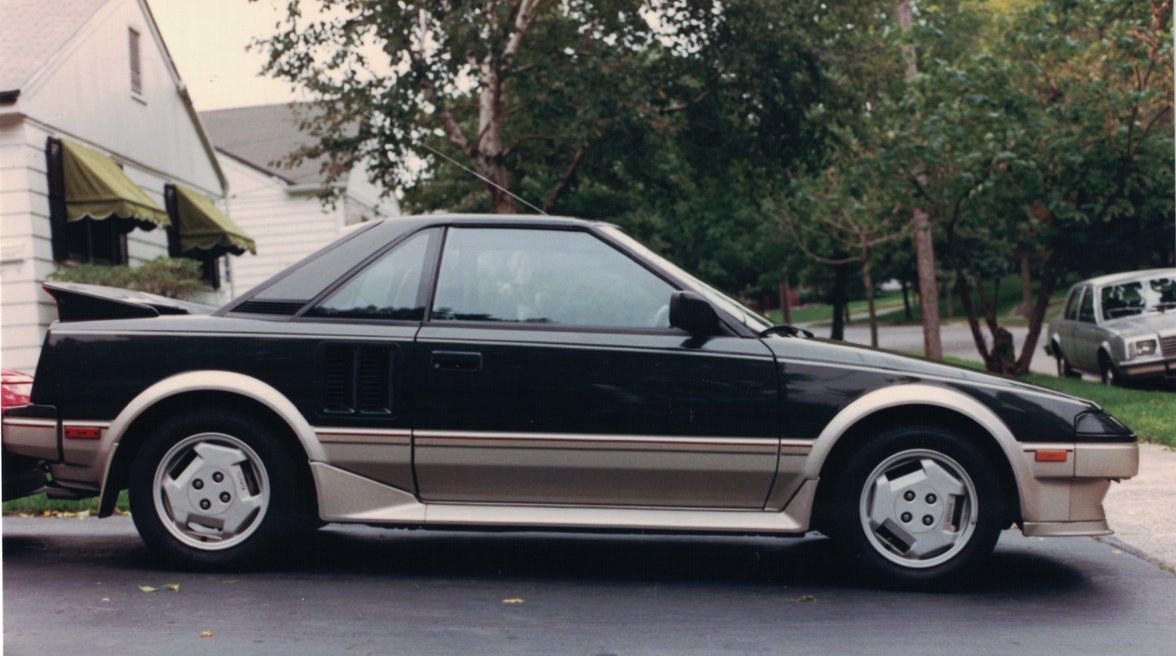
1142,347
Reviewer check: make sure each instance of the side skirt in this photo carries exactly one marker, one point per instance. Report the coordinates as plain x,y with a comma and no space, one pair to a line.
347,497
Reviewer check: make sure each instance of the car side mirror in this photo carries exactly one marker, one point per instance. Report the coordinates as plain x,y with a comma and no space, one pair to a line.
694,314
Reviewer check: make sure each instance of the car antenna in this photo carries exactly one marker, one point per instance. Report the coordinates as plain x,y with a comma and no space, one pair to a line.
482,178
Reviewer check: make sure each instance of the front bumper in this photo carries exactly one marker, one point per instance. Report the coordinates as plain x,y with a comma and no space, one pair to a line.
1065,498
1165,368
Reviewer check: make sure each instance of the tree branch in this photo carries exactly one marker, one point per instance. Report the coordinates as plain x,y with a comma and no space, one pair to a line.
566,180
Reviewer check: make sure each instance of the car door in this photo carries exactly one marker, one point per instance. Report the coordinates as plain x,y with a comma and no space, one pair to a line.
1086,332
362,332
548,374
1066,325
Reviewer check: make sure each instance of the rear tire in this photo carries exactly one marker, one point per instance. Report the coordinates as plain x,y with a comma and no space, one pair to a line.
917,507
213,490
1064,368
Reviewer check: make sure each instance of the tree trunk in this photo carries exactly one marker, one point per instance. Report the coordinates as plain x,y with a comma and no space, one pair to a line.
839,302
906,299
928,286
924,244
1026,292
488,143
868,281
785,302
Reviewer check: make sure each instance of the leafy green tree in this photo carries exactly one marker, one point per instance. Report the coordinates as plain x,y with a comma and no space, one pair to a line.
1043,145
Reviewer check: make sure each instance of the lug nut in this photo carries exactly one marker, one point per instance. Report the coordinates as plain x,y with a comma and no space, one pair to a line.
198,484
909,496
906,518
205,504
218,477
224,497
931,498
928,520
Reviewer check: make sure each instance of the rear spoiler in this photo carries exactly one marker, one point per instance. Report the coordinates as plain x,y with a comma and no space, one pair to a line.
78,302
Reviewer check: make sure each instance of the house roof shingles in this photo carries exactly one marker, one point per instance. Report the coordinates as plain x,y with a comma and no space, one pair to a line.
32,31
263,136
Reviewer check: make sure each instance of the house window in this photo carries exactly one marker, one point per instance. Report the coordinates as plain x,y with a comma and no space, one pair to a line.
136,63
96,242
209,260
85,240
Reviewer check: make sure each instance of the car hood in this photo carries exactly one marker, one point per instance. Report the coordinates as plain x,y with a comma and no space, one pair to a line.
818,350
1143,324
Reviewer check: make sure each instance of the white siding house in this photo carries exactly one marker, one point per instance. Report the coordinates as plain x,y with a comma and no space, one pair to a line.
277,204
94,73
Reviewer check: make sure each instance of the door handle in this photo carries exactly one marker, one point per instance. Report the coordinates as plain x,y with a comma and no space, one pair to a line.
456,361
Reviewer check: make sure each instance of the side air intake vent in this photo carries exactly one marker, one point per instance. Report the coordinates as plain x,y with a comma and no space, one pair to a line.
356,379
277,308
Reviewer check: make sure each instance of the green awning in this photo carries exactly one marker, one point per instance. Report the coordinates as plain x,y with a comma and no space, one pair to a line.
204,227
96,188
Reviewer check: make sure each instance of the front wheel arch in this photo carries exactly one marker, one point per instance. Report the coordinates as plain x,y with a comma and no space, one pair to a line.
865,428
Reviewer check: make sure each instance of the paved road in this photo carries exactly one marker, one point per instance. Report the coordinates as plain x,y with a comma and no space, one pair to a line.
70,586
956,339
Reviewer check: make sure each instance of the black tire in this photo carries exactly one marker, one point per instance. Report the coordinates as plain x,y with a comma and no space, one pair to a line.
1107,371
186,468
944,490
1064,368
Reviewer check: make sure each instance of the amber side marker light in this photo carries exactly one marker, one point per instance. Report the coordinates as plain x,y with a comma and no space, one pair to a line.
82,432
1052,456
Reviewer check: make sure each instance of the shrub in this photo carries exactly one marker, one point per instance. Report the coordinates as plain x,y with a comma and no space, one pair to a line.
165,276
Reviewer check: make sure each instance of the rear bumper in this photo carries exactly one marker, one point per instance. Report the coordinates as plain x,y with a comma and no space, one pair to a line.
1066,498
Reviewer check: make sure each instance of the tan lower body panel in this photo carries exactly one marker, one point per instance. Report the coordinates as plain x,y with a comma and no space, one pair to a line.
599,470
1066,495
347,497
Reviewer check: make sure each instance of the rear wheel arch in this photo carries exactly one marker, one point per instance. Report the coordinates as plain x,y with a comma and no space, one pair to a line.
172,397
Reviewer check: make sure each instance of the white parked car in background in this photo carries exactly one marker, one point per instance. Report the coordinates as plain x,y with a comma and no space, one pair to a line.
1120,327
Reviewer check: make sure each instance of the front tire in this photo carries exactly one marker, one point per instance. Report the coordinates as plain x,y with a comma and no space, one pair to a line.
1109,375
917,507
213,490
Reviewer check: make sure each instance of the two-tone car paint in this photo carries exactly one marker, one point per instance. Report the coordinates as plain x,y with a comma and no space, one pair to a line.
411,421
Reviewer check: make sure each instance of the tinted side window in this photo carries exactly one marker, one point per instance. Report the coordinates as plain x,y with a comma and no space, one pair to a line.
388,288
1072,304
545,276
1086,311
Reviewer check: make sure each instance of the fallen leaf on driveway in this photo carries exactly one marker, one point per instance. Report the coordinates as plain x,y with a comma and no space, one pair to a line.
206,634
146,588
804,599
174,587
512,600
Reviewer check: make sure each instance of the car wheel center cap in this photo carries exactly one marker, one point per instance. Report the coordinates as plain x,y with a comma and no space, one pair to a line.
920,509
211,491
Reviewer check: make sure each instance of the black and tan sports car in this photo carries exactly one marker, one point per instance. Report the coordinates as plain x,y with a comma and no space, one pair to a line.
522,372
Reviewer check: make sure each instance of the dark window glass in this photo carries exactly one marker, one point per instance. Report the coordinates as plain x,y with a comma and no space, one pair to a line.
308,278
96,242
1086,311
388,288
1072,304
546,276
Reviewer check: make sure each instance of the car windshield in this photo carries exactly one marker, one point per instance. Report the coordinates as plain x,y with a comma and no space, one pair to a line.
730,305
1124,299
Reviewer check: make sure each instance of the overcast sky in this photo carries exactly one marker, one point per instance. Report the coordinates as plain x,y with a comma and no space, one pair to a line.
207,40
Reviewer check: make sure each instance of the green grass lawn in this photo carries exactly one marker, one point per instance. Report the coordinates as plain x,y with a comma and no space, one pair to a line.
821,313
1150,413
1007,299
39,504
